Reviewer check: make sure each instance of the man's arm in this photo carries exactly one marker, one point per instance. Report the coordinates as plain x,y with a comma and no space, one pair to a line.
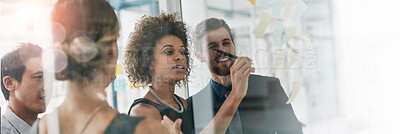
240,72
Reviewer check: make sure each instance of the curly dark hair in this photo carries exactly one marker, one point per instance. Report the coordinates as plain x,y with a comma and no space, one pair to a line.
139,52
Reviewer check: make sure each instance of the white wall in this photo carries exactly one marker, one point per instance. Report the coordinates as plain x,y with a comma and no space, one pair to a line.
367,37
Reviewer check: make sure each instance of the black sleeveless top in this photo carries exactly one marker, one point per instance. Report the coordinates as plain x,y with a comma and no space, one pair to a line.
123,124
187,126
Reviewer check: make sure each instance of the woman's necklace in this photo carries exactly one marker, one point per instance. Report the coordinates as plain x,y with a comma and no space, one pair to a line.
176,99
94,112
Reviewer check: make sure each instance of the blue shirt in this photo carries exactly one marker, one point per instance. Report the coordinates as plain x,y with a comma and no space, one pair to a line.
220,90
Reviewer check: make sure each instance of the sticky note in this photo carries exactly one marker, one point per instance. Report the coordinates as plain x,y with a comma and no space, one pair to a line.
293,59
307,41
262,25
290,33
118,70
299,10
278,30
288,9
119,84
120,52
276,10
253,2
132,86
264,4
296,86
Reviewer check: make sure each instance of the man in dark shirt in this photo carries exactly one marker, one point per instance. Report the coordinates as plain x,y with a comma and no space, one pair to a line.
263,108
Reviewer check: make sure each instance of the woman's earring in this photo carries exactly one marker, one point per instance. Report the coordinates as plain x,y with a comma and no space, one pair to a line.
151,67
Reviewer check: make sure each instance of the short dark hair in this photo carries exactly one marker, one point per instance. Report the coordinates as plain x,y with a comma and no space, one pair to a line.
207,25
139,52
13,63
94,20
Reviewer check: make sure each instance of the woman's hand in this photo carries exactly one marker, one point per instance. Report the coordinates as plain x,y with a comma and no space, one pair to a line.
173,127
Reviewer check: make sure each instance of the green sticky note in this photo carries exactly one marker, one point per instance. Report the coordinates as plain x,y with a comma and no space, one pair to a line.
278,30
276,10
264,4
119,84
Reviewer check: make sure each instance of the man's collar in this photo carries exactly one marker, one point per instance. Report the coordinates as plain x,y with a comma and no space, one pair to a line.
16,121
219,89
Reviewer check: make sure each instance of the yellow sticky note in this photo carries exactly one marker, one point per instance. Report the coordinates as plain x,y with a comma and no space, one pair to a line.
290,33
293,59
262,25
307,41
288,9
118,70
296,86
132,86
253,2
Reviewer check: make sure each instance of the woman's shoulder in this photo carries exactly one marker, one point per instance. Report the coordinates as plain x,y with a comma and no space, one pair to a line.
42,125
123,123
126,118
145,110
142,107
150,127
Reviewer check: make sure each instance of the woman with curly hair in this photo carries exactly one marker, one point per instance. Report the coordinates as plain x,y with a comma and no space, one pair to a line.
89,42
157,55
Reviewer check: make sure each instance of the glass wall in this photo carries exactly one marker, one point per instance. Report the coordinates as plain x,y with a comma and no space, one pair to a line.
288,39
338,51
336,60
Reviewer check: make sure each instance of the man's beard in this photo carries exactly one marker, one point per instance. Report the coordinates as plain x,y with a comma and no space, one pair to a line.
221,71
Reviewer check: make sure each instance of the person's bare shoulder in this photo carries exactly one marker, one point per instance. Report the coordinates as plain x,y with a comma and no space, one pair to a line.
42,125
145,110
150,127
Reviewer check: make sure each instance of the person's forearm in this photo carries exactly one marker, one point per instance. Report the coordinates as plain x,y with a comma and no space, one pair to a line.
219,124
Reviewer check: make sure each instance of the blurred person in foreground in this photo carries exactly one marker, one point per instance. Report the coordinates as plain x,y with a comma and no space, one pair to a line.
88,42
